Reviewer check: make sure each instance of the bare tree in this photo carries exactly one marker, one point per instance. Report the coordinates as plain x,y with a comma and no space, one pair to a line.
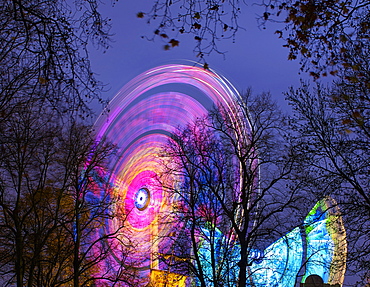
91,190
331,139
88,186
24,176
55,195
55,202
208,22
44,53
228,212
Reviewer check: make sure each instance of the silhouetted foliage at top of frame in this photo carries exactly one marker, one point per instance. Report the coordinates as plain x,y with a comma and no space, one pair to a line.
44,53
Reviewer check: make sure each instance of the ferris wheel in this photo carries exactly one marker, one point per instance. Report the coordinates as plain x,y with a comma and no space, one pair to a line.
144,116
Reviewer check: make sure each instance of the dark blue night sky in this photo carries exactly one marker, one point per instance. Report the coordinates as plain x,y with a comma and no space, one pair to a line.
256,59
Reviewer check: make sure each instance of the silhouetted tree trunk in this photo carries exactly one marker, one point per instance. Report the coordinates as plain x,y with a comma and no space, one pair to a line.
55,201
54,190
332,141
233,168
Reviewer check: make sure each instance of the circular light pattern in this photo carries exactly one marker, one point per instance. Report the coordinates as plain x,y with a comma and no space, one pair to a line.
142,198
142,117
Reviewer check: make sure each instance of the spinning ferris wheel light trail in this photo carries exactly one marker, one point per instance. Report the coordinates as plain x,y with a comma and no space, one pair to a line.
142,118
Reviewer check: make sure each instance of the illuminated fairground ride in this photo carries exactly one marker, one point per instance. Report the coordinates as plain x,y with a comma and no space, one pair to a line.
142,118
